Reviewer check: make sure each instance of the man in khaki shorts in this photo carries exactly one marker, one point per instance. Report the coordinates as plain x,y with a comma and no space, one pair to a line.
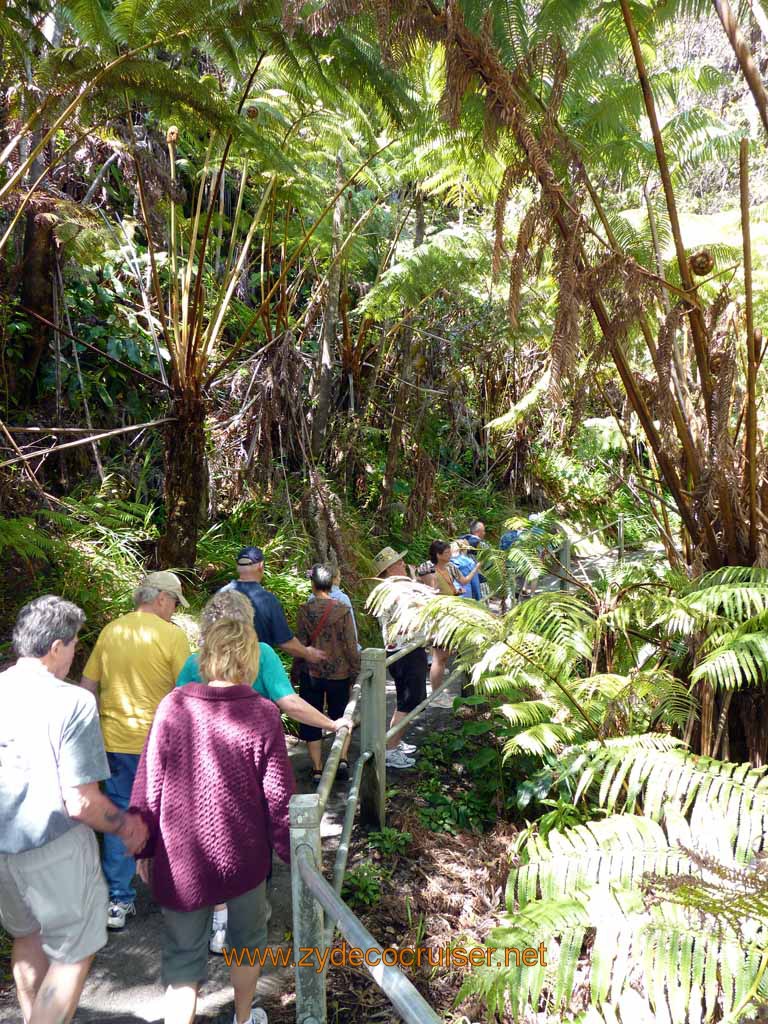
53,899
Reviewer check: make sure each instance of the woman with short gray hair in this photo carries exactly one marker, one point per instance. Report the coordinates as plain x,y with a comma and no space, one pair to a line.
327,623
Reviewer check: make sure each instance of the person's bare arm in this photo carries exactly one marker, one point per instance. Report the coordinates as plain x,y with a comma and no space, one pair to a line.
296,649
90,684
88,804
300,711
467,579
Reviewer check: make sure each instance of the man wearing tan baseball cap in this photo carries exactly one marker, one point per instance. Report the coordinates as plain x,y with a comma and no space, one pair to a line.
134,664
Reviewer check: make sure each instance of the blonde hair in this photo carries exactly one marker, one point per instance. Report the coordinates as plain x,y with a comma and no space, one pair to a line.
231,653
227,604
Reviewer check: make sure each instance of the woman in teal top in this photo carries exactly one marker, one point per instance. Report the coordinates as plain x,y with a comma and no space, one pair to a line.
272,681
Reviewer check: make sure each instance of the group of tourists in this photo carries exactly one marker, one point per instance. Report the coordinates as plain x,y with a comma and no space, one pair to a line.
452,570
180,760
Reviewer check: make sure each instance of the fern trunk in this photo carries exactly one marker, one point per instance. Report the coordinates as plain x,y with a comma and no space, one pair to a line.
37,296
406,374
186,482
330,319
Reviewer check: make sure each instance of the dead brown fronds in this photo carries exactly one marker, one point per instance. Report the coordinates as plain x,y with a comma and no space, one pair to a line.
520,259
565,335
328,17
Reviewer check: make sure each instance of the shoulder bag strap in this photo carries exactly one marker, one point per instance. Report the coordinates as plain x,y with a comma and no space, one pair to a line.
323,618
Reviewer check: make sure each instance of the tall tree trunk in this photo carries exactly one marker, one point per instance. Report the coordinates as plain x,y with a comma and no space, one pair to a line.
324,389
402,395
186,482
36,295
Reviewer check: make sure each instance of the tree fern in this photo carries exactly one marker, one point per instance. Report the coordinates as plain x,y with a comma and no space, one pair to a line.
628,779
684,962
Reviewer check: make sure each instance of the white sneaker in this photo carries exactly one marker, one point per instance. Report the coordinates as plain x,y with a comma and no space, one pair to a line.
218,940
397,759
258,1016
407,748
117,914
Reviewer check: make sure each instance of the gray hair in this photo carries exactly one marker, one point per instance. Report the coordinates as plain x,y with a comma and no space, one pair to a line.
145,595
227,604
42,622
321,577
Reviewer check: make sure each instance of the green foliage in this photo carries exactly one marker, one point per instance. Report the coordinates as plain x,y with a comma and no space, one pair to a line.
461,784
287,550
587,881
362,886
89,551
446,258
390,842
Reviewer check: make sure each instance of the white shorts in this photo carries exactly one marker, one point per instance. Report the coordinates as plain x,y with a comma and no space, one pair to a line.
58,890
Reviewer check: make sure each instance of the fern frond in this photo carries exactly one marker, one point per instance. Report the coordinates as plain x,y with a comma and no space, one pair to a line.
649,778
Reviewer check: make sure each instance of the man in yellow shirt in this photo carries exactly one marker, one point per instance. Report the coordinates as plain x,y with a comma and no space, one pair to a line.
133,666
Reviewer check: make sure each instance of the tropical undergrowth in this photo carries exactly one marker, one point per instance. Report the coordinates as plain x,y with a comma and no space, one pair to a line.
640,868
94,548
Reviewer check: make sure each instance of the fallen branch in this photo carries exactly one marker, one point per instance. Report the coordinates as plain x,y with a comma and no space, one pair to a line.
86,440
106,355
51,430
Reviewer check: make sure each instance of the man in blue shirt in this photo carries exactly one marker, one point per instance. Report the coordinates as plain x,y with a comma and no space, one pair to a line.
269,619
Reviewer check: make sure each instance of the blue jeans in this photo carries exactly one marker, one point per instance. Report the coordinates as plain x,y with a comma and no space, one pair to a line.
119,868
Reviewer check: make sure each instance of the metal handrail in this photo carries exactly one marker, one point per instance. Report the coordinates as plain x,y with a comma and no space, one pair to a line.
617,522
342,852
317,905
405,722
404,996
328,777
411,646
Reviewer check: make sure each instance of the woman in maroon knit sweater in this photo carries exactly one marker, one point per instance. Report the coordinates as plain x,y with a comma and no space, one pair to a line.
213,786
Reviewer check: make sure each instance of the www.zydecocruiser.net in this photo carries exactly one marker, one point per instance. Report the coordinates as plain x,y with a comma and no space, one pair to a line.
344,955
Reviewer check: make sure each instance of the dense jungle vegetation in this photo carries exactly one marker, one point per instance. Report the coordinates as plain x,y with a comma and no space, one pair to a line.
327,276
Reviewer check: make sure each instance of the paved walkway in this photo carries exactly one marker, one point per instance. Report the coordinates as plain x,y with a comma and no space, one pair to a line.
124,984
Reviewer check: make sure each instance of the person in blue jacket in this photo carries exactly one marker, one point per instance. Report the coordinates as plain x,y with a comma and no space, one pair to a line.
467,567
514,583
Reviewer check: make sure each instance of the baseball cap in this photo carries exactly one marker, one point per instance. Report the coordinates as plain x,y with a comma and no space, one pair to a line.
250,556
168,582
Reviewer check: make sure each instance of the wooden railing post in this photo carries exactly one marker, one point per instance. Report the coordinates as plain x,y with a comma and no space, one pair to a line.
565,561
620,526
308,917
373,729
